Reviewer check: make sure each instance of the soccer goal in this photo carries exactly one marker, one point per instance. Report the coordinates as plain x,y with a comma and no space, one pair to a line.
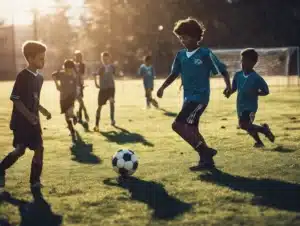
282,61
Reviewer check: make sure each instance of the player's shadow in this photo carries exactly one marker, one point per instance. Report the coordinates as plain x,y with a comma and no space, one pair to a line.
168,113
123,136
154,195
83,152
267,192
37,212
283,149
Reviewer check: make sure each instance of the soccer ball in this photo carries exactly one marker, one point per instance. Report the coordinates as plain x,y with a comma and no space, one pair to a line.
125,162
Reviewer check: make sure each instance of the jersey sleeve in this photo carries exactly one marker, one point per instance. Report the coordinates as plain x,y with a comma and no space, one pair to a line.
19,89
217,67
176,66
262,85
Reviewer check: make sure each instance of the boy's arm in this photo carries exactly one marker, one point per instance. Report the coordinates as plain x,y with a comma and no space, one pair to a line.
25,112
45,112
55,76
263,89
95,80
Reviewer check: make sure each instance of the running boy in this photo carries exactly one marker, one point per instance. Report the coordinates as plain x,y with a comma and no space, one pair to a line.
80,70
147,71
25,121
250,86
106,75
65,82
195,64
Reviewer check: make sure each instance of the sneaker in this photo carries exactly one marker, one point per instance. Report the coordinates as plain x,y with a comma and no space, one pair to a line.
113,122
269,134
258,145
203,165
2,181
96,129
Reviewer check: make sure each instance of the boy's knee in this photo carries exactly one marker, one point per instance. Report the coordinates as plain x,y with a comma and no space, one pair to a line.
245,126
38,156
111,100
19,150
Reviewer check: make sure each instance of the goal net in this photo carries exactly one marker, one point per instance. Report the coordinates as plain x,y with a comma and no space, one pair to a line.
272,61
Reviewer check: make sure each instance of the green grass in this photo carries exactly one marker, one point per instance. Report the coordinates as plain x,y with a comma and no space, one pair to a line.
251,187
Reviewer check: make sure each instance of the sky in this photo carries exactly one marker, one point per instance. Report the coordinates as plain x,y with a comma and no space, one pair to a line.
20,11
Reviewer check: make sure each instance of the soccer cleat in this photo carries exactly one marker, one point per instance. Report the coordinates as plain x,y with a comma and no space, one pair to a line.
269,134
258,145
96,129
204,165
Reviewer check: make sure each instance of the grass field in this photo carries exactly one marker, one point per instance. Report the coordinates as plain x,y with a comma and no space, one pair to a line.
250,187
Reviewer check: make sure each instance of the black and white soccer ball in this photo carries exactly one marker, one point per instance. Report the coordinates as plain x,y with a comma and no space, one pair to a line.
125,162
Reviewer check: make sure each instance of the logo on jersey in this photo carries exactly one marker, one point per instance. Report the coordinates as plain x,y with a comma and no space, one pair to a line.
198,61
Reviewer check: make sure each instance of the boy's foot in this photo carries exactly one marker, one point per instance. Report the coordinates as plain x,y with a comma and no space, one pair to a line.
113,122
96,129
258,145
269,134
2,181
204,165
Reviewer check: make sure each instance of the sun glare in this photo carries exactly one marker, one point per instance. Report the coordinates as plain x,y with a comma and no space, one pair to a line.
21,11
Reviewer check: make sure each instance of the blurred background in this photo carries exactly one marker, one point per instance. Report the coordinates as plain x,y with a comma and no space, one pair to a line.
130,29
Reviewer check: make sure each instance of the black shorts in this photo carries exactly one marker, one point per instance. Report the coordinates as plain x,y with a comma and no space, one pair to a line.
30,138
190,113
67,103
246,117
104,95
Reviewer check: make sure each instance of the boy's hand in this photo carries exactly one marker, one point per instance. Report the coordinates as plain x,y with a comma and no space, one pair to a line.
48,115
227,92
33,119
160,92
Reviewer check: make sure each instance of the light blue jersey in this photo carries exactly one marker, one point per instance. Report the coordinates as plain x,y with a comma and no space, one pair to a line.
248,87
148,74
195,69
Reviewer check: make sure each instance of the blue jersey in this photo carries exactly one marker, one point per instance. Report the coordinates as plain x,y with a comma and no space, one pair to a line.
195,71
248,87
148,74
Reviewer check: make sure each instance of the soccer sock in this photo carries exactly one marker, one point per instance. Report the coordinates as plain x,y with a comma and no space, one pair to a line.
112,111
36,168
259,129
253,132
98,116
80,112
147,102
70,126
190,134
10,159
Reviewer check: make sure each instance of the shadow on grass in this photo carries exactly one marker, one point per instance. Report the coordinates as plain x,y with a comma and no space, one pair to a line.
168,113
83,152
268,192
37,212
123,136
283,149
292,128
154,195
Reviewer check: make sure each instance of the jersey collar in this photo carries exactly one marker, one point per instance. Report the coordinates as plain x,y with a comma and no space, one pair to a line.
34,73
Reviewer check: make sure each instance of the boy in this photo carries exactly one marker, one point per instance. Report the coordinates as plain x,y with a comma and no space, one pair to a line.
147,71
195,64
25,121
65,82
250,85
80,70
106,75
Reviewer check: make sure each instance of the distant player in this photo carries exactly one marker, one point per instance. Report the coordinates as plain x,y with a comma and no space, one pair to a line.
25,121
250,86
65,81
147,71
106,75
195,64
80,69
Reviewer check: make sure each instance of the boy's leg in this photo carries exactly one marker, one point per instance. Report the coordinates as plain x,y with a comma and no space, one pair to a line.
153,101
112,110
9,160
36,167
68,116
148,97
82,108
98,114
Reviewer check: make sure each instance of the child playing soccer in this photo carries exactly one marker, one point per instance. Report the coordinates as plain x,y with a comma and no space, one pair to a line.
25,121
147,71
65,82
106,75
80,70
250,86
195,64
